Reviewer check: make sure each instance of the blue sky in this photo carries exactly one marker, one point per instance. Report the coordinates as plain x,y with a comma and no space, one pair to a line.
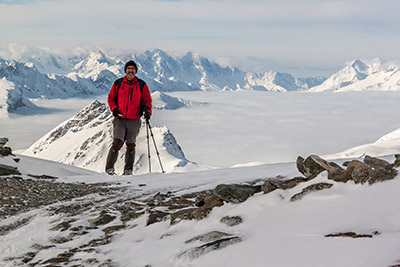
295,35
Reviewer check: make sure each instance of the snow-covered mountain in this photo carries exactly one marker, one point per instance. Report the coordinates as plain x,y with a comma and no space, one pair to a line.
42,74
376,74
35,84
12,98
84,141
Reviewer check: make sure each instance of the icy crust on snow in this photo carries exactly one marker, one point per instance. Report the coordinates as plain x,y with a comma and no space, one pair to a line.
84,141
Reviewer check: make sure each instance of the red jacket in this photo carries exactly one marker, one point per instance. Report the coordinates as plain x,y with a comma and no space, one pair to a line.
127,98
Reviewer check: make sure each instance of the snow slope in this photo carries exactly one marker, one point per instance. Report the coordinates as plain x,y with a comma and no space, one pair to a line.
275,231
388,144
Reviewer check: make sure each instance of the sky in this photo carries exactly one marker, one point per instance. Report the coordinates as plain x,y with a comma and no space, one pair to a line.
295,35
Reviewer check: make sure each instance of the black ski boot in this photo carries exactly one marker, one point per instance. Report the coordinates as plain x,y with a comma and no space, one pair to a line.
129,159
112,156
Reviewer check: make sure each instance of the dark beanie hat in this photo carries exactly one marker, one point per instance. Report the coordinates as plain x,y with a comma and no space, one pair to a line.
130,63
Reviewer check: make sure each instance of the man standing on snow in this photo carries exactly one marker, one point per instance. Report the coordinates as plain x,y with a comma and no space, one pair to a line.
128,99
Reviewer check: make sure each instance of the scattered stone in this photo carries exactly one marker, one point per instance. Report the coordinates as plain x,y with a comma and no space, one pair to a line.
185,214
235,193
3,141
212,246
268,187
353,235
397,161
62,226
28,257
309,189
8,170
102,219
338,174
18,194
272,184
61,240
61,258
372,170
111,229
5,151
44,176
312,166
375,162
130,215
209,203
5,229
156,216
190,213
231,221
209,237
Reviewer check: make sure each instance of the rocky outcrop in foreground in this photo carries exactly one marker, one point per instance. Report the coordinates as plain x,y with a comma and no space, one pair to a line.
83,211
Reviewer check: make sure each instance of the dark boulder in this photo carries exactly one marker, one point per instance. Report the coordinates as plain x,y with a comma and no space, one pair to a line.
235,193
8,170
309,189
231,221
312,166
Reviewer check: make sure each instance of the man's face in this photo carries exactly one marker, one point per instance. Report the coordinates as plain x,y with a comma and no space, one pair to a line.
130,73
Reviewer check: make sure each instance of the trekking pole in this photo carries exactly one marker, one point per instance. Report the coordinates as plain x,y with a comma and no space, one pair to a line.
154,142
148,145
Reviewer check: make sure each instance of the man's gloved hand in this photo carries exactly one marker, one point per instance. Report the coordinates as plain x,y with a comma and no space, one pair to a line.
116,113
147,115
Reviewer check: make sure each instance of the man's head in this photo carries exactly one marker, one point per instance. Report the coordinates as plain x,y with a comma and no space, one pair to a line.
130,70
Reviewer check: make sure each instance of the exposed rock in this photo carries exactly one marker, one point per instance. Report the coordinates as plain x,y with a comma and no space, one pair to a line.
312,166
209,203
111,229
206,248
8,170
209,237
272,184
300,166
62,226
102,219
197,213
353,235
375,162
231,221
397,161
268,186
130,215
376,170
235,193
43,176
371,170
18,194
185,214
156,216
3,141
5,151
309,189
